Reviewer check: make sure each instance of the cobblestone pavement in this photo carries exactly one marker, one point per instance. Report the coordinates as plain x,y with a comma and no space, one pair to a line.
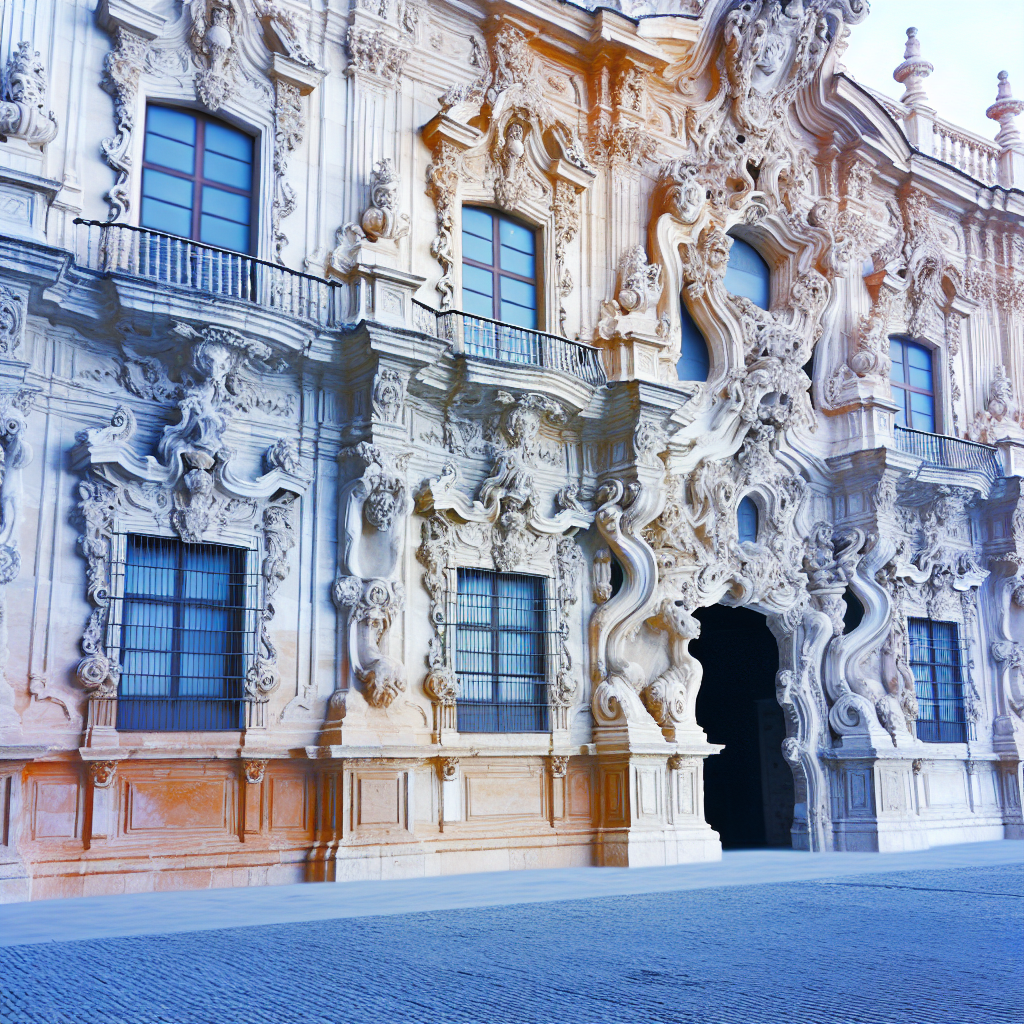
915,947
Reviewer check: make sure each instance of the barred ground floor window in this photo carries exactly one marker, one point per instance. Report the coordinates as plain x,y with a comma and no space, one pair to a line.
937,665
502,645
183,619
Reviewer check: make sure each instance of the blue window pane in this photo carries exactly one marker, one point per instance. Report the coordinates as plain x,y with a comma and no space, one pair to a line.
159,216
920,367
520,316
922,412
477,222
226,205
476,304
477,280
747,274
479,249
178,156
168,188
898,372
515,236
518,292
227,171
746,520
224,234
919,357
899,396
517,262
896,350
228,142
173,124
694,361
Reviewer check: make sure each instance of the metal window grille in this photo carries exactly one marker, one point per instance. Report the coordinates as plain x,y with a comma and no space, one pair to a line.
504,638
936,660
183,620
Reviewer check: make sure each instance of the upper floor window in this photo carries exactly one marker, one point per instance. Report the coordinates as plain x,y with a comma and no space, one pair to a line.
913,385
500,652
938,680
747,274
499,268
197,179
185,628
694,359
746,520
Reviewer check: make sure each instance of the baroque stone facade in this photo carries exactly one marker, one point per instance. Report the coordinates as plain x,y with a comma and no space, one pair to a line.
323,411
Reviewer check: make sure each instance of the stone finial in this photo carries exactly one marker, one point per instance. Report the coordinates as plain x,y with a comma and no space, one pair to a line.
912,72
1004,110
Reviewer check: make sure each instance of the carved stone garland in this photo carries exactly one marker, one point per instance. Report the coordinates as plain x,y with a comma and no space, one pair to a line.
189,490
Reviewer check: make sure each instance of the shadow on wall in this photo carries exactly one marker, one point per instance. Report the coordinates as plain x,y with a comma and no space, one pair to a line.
748,787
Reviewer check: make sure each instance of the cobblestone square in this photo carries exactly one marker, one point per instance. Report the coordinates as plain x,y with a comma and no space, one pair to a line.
908,946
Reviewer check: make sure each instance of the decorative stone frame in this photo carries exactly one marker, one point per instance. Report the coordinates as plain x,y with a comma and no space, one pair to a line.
522,160
502,531
253,74
189,491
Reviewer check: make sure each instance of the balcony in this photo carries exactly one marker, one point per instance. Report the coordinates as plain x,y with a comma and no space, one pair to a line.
949,452
175,262
505,343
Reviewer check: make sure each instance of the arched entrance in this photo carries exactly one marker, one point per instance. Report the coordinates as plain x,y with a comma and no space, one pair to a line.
748,787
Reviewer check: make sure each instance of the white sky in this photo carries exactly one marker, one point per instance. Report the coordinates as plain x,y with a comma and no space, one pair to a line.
968,41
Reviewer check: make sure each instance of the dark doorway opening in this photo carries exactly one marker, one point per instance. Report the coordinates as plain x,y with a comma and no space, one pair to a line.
748,787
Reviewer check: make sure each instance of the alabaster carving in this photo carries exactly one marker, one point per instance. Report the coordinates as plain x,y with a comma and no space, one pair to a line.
23,112
1002,416
374,52
382,218
373,512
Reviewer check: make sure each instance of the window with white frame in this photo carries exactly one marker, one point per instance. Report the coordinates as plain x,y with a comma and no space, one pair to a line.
502,650
183,619
937,665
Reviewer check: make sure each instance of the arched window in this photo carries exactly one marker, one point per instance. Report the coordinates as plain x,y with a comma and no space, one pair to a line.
694,360
746,520
197,179
499,268
913,385
747,274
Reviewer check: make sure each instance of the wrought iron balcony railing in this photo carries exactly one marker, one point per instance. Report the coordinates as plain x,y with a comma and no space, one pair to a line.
505,343
950,452
182,263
